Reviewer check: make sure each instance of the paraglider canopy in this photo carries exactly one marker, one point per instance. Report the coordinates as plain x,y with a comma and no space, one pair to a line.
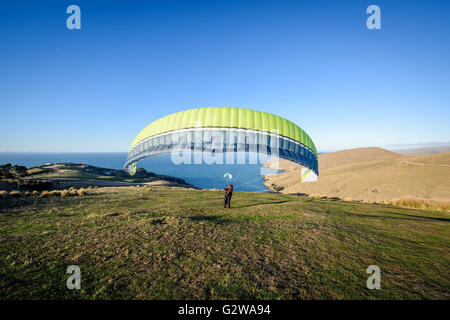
223,130
228,176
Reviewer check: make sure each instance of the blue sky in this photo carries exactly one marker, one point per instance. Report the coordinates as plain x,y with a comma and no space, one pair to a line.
313,62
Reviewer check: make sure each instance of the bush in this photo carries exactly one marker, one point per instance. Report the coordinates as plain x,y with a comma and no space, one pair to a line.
81,192
27,193
276,188
4,194
65,193
20,171
35,193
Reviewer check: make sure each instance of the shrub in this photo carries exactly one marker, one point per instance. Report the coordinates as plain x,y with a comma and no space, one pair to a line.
81,192
20,171
35,193
65,193
278,188
90,187
27,193
15,194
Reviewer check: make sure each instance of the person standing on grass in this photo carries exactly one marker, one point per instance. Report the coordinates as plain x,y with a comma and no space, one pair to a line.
228,194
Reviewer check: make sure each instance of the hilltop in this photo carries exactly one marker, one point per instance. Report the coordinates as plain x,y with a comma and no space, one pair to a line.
370,174
423,151
178,243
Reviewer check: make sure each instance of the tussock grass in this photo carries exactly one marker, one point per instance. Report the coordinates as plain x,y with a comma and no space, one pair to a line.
420,203
55,193
44,194
15,194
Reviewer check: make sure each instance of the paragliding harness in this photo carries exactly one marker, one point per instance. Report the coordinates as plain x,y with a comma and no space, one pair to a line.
228,194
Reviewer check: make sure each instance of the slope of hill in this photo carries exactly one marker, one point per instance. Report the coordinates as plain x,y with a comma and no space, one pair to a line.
370,174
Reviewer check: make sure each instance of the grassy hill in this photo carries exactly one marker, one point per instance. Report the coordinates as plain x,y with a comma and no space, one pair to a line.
174,243
80,175
371,174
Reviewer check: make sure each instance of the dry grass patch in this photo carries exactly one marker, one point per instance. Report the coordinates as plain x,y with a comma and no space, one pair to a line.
55,193
44,194
420,203
15,194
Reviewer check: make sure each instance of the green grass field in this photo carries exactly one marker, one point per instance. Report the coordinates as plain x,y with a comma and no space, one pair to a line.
167,243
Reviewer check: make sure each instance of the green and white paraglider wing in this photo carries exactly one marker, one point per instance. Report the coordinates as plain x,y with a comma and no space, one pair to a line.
222,130
308,175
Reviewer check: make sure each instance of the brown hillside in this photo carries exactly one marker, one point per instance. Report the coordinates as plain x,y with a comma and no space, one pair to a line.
424,151
370,174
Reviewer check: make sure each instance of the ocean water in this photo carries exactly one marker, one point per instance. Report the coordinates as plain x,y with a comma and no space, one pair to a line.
244,177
